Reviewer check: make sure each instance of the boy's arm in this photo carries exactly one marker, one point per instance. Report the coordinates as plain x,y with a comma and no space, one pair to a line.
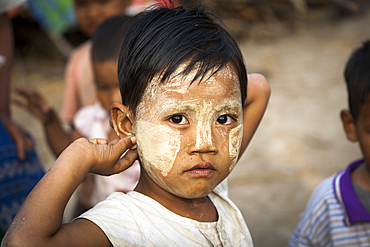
258,94
39,220
58,139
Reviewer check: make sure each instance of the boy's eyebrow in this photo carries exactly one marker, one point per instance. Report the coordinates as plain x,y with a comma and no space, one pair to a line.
228,108
192,106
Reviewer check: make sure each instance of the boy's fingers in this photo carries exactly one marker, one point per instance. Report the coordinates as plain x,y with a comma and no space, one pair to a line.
123,146
125,143
127,160
114,142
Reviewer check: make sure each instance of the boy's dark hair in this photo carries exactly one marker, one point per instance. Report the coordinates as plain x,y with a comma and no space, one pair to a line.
357,76
161,39
107,39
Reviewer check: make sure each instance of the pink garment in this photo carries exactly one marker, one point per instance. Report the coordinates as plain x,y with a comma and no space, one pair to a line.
80,88
140,5
92,121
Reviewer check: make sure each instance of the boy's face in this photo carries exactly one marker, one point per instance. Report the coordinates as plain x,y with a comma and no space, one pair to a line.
189,136
106,81
90,13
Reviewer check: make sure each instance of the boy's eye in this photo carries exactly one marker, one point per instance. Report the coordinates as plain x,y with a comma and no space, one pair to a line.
179,119
225,119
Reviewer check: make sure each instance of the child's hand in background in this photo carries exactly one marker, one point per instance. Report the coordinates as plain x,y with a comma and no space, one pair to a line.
34,103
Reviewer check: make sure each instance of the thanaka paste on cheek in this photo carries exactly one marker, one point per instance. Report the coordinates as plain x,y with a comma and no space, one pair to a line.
235,140
159,145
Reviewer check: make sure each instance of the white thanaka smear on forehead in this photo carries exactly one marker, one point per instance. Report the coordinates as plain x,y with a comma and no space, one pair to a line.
161,145
176,81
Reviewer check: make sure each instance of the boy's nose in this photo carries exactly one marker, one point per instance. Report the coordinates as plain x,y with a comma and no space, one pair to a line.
203,140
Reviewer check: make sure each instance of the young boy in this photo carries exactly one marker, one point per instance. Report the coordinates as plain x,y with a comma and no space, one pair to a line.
338,213
91,121
184,112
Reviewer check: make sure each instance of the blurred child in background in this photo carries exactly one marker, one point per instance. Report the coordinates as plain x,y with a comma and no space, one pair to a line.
338,213
80,89
91,121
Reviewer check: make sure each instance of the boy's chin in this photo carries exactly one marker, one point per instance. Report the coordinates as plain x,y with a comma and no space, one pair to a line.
193,194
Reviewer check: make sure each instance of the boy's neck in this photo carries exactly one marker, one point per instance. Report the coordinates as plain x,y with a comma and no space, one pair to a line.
200,209
361,176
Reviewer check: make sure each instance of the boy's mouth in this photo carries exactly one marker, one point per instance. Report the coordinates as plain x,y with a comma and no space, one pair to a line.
202,169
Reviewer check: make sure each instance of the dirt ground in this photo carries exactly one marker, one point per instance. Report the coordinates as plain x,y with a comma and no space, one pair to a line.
300,140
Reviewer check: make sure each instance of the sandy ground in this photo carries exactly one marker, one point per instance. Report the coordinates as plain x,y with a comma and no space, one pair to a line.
300,140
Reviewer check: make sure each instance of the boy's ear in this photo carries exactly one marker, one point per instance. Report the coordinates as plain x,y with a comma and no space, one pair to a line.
349,125
121,119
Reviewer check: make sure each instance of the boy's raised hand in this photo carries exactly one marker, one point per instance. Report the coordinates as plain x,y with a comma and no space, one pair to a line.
33,224
103,157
